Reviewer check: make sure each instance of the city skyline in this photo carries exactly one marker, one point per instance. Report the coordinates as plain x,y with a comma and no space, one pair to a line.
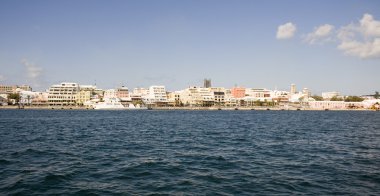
329,46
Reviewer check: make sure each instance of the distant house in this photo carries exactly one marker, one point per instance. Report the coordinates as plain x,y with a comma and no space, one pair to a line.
3,101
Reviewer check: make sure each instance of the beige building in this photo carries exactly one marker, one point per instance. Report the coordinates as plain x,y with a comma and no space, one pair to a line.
174,98
197,96
63,94
12,88
83,96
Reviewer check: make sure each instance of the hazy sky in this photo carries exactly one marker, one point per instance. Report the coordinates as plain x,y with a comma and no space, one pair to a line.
323,45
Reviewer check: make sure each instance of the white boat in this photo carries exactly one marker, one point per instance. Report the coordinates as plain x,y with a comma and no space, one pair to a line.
115,104
109,104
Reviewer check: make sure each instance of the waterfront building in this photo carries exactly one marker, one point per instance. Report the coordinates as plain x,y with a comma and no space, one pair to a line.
174,98
190,96
3,99
156,96
261,94
229,100
219,95
63,94
370,103
197,96
83,96
110,94
238,92
40,99
123,93
323,105
280,96
26,97
329,95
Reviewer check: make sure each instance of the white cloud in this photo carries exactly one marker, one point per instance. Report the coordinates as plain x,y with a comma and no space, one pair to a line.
361,39
320,34
33,72
361,49
370,26
286,31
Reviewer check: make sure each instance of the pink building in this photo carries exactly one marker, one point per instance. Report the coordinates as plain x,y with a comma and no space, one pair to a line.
238,92
122,92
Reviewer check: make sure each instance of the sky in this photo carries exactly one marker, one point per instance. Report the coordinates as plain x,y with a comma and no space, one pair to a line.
323,45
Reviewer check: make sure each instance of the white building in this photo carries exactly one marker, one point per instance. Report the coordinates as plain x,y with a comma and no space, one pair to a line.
110,94
140,92
63,94
26,97
329,95
261,94
197,96
219,95
369,103
156,95
280,96
338,105
3,99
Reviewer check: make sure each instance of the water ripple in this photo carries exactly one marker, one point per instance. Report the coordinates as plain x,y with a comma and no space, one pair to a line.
189,152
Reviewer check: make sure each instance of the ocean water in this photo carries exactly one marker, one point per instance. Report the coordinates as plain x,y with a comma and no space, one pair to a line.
73,152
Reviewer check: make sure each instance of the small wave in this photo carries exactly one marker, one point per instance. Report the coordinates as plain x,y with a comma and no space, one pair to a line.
56,178
4,162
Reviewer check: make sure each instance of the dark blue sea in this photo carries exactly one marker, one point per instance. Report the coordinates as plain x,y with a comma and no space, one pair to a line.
73,152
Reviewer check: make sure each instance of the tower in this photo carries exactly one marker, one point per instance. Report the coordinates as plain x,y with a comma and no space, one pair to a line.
292,89
207,83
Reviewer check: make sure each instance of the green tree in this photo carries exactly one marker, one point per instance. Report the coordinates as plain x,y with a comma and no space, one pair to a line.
353,99
14,96
376,95
317,98
335,98
258,103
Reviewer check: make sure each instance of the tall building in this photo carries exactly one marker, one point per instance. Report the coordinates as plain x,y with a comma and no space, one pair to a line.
292,89
207,83
63,94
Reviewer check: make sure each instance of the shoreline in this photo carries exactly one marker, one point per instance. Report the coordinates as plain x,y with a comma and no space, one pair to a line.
184,108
